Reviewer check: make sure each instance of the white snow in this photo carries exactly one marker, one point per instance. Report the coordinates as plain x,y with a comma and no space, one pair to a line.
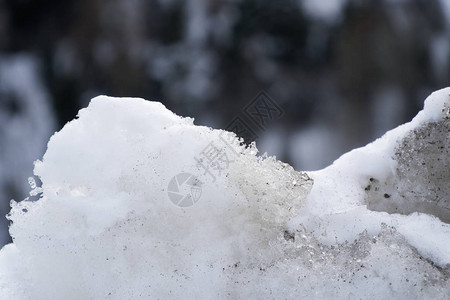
336,211
26,123
105,223
106,228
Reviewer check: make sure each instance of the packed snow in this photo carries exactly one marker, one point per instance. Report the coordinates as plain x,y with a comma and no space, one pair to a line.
336,210
137,202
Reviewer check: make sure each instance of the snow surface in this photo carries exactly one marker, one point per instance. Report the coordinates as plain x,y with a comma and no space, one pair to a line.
26,123
106,228
336,211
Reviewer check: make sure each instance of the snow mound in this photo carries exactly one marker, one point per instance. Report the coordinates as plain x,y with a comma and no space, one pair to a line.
405,173
140,203
106,225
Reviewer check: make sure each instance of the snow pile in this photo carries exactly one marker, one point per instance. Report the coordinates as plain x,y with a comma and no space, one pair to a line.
140,203
406,171
105,225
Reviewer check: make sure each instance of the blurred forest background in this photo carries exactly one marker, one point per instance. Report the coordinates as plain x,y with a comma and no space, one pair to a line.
344,71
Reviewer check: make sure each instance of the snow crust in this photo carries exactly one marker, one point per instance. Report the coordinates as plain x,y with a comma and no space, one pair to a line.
105,227
336,210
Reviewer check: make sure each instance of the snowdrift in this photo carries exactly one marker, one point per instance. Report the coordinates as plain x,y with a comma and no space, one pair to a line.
137,202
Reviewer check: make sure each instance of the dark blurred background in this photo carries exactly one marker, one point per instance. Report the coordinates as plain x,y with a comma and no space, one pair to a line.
344,71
